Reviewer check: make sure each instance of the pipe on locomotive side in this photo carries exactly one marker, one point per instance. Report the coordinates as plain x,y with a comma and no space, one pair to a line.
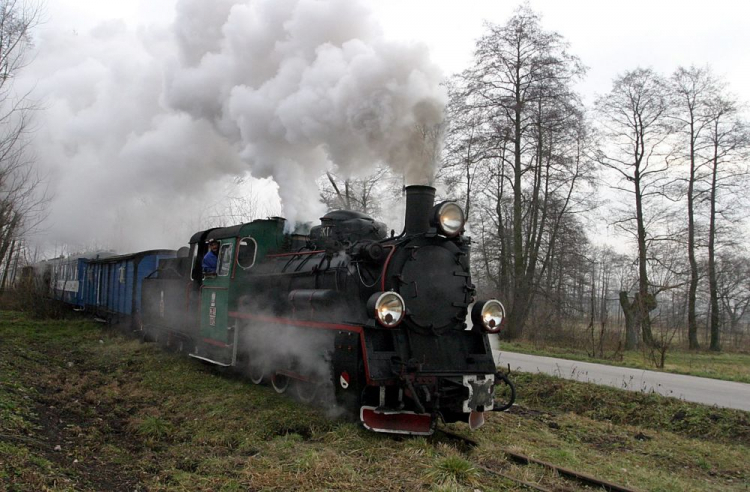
419,202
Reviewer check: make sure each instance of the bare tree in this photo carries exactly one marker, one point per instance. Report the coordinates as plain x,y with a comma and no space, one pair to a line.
22,199
692,90
733,286
728,143
364,194
239,203
634,123
520,124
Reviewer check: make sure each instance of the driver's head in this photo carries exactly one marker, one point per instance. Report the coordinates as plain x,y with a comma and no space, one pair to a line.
213,245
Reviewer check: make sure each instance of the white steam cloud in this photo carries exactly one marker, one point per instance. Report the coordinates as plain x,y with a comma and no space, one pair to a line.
142,128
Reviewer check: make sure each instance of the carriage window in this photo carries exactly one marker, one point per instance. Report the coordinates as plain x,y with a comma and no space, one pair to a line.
246,254
225,259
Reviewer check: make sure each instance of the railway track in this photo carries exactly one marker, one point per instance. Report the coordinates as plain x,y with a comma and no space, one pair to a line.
566,473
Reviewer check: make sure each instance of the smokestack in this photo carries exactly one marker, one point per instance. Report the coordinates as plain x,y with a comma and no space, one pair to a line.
419,202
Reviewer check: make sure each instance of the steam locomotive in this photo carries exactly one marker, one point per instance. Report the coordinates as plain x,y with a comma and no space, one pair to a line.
378,323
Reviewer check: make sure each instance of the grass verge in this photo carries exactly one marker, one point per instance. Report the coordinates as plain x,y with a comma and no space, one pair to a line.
729,366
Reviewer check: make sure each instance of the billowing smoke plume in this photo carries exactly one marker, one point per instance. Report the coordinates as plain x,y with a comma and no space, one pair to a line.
144,130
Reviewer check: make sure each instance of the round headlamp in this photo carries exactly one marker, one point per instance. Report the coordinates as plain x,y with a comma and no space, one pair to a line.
387,308
489,315
448,218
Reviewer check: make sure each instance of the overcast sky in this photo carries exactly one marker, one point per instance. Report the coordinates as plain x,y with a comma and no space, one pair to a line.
132,133
609,36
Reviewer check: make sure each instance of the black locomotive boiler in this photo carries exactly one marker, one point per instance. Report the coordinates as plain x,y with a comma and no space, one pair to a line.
379,322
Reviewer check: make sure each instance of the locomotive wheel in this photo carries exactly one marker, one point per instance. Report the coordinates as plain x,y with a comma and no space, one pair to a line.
306,391
280,383
256,373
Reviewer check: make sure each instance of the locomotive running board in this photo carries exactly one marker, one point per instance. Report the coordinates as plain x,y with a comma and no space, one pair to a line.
397,422
205,359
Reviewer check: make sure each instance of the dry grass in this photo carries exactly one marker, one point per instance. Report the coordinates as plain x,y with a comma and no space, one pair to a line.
729,366
130,417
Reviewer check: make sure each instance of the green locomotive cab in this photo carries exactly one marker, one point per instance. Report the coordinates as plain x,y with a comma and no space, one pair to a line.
240,247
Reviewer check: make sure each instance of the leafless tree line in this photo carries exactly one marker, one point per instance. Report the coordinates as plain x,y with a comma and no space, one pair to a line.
668,156
678,147
22,197
662,160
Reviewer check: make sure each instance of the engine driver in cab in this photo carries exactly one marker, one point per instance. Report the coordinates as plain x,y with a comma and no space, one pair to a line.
211,259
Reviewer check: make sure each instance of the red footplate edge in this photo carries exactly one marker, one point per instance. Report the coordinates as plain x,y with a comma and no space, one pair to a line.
419,424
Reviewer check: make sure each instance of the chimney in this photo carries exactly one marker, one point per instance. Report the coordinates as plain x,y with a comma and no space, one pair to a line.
419,203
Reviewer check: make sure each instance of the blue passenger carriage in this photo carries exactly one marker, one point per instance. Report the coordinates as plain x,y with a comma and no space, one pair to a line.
62,278
112,286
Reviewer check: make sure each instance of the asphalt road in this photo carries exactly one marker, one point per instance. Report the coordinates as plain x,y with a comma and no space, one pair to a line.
727,394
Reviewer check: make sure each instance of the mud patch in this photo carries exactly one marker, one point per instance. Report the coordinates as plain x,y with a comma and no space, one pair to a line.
64,439
282,430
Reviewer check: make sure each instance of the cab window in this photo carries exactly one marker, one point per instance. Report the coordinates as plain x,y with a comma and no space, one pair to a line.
195,262
225,259
246,254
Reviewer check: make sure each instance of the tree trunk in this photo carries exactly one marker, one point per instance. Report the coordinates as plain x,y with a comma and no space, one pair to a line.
7,266
8,236
592,312
15,263
712,281
645,301
516,317
603,312
692,322
631,329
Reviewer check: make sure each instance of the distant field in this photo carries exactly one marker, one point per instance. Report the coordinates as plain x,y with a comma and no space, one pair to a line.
730,366
82,408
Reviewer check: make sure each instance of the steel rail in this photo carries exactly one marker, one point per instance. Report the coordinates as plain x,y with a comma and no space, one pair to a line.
581,477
